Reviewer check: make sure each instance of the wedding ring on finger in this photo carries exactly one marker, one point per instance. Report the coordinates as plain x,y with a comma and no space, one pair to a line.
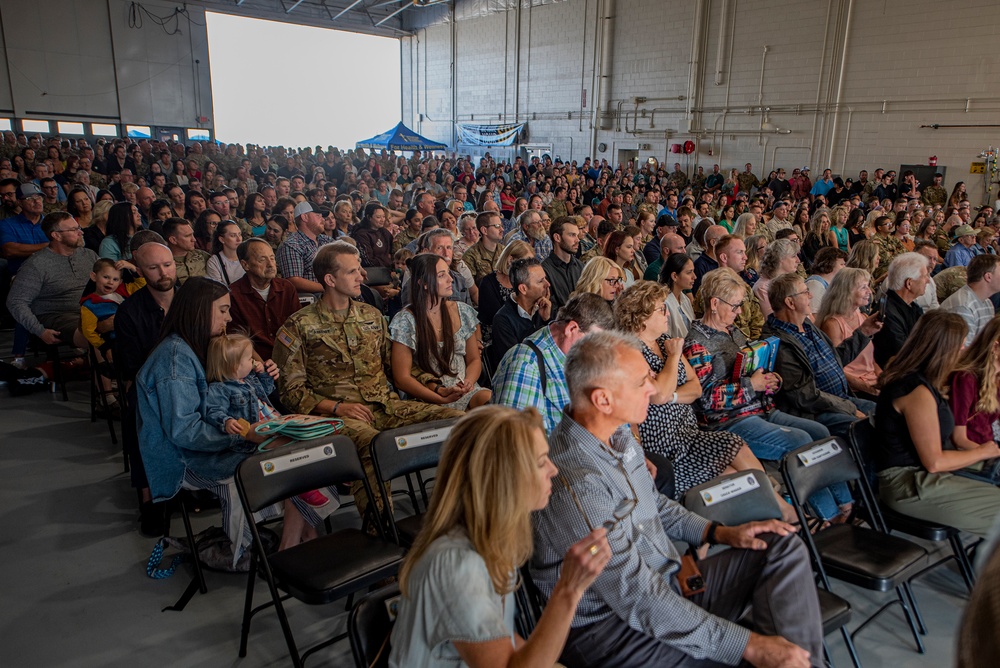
593,550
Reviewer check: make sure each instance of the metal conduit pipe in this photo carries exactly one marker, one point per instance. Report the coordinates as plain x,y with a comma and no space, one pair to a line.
840,77
607,46
720,55
597,79
694,71
820,79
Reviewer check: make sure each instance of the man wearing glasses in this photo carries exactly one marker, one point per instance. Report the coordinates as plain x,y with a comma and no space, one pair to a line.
634,614
481,256
45,298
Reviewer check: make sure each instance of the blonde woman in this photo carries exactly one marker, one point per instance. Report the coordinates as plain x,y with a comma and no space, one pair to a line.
746,226
838,235
603,277
495,289
780,257
839,315
458,579
864,255
755,245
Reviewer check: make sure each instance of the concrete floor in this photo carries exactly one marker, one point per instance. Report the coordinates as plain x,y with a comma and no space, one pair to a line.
76,592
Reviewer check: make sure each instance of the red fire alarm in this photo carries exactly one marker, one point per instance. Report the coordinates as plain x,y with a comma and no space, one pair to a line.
689,147
932,161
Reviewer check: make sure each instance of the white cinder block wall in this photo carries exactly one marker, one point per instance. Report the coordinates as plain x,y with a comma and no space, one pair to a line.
903,65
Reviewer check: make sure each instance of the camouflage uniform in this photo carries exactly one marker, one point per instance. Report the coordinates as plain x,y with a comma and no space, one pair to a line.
888,248
646,206
747,182
245,228
949,281
404,238
323,354
750,321
934,195
589,249
942,241
557,208
192,264
54,206
480,261
677,179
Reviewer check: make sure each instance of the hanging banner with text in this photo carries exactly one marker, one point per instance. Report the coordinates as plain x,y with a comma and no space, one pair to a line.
488,135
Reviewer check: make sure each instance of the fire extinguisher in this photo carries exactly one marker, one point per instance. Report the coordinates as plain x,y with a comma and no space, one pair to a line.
932,161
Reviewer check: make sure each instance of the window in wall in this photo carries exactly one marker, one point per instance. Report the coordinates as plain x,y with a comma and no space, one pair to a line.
34,126
138,131
198,134
104,129
6,124
70,128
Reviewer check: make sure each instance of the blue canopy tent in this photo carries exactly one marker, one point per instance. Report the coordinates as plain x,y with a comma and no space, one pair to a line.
400,138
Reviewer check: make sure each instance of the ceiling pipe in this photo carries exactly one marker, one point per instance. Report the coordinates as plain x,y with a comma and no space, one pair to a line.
607,47
845,42
720,55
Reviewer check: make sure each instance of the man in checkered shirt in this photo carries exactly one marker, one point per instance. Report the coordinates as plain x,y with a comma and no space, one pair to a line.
634,613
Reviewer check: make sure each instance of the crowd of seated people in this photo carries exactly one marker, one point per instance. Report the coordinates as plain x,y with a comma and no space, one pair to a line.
387,291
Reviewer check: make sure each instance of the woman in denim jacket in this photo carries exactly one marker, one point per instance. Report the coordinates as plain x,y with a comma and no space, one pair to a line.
179,445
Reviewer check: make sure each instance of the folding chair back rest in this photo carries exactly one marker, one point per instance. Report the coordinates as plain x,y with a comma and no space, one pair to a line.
733,499
406,450
268,477
816,465
370,624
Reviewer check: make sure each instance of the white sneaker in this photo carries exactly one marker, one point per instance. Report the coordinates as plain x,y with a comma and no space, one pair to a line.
20,363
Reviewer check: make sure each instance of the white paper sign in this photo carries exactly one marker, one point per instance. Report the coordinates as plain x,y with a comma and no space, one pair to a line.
422,438
294,460
729,489
819,453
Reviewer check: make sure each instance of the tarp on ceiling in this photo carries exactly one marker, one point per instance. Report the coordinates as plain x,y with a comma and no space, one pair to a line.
400,138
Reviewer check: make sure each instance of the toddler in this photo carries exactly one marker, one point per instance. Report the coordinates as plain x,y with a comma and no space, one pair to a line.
238,390
103,303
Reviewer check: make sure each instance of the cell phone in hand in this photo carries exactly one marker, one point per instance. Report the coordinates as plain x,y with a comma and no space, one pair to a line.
882,303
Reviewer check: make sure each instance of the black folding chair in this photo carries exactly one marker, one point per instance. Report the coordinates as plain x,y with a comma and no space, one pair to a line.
98,395
867,558
321,570
748,496
408,451
369,625
862,436
180,502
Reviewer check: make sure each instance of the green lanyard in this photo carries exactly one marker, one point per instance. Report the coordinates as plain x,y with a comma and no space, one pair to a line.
298,428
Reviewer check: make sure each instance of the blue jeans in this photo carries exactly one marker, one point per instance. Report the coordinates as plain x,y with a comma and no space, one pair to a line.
779,433
840,423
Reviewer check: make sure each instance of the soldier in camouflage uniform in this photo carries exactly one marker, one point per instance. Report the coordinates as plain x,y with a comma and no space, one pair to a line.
889,246
190,261
678,180
480,260
557,207
334,360
949,281
748,180
935,195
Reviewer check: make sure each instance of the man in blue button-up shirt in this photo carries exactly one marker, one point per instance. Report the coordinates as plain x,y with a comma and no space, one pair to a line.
634,613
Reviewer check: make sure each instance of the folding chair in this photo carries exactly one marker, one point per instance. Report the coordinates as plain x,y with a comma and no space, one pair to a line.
866,558
404,452
98,395
321,570
862,436
734,499
180,502
369,625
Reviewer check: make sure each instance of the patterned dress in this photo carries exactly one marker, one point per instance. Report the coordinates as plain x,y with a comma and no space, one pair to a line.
671,430
403,329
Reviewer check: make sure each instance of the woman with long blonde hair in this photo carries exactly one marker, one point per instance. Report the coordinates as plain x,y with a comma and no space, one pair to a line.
458,579
603,277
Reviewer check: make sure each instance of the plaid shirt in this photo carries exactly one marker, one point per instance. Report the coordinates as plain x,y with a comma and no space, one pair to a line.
295,255
542,246
517,382
828,373
639,584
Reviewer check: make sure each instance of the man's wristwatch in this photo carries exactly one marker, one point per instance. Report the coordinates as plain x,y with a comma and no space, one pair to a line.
710,536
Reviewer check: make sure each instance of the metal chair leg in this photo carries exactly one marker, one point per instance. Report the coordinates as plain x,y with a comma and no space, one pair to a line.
916,610
248,604
850,647
199,574
964,564
909,619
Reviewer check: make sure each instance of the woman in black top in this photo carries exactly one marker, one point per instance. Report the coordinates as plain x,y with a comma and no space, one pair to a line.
913,455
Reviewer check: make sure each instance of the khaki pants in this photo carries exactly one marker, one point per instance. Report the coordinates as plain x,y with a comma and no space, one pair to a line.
969,505
395,413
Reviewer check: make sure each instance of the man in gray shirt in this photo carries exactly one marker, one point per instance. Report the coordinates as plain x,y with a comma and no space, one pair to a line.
634,613
45,296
